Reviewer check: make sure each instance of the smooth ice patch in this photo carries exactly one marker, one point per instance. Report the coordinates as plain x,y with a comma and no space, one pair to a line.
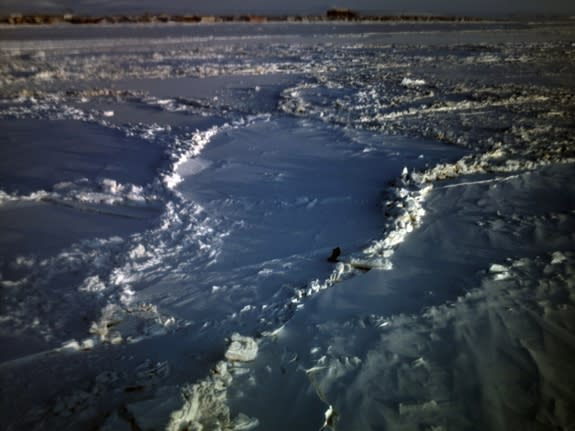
38,154
293,187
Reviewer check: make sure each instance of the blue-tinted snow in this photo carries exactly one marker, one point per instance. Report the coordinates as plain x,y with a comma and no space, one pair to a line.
166,187
39,154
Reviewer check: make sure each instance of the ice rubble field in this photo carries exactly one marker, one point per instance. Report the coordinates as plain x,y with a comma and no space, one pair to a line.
169,197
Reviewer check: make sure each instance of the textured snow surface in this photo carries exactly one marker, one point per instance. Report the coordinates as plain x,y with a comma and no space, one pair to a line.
169,198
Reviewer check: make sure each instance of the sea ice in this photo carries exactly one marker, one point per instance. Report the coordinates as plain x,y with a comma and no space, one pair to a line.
159,193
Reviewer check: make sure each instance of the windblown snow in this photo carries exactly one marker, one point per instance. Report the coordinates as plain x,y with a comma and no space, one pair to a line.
169,198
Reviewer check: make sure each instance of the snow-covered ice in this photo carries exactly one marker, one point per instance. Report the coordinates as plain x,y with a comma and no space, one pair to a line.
170,195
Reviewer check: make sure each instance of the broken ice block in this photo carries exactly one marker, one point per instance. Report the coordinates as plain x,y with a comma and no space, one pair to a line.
242,349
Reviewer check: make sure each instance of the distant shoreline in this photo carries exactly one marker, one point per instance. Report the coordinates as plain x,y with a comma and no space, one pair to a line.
330,16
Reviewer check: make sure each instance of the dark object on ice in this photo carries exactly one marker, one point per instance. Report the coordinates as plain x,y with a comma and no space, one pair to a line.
341,14
334,255
137,388
361,266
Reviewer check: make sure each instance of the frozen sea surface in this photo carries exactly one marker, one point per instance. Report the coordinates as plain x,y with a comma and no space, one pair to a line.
170,195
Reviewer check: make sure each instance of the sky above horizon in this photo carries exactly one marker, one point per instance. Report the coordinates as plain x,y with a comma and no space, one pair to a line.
472,7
